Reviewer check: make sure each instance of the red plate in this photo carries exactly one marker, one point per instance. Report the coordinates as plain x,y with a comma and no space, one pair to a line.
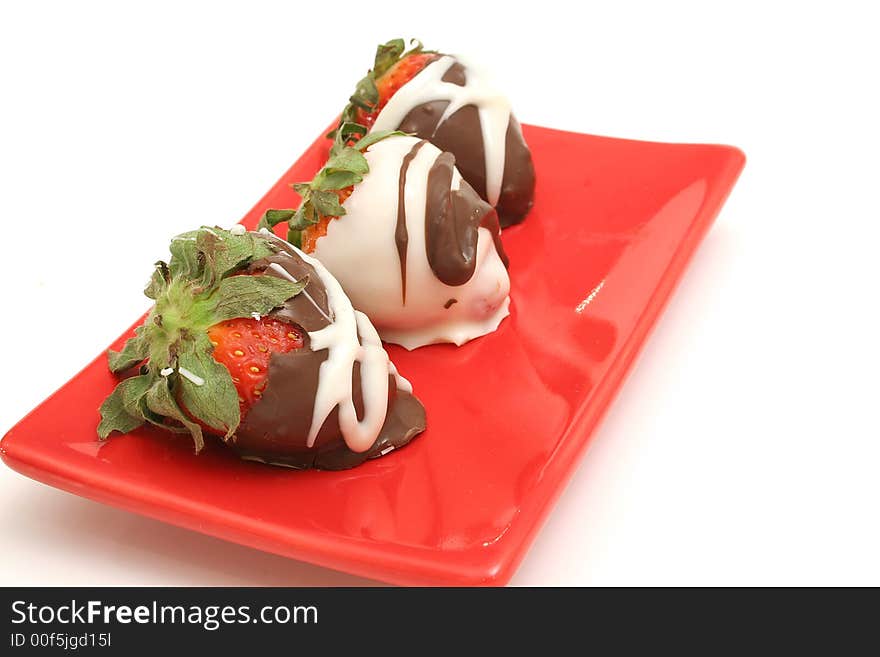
509,414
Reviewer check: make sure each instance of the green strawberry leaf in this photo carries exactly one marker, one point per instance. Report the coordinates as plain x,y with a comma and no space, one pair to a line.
305,215
387,55
366,95
347,159
133,352
206,388
225,252
272,218
327,203
134,391
294,236
158,281
119,410
185,256
162,403
348,131
337,179
242,296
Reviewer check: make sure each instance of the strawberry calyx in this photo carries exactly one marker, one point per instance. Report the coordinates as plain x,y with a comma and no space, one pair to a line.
179,385
366,98
322,197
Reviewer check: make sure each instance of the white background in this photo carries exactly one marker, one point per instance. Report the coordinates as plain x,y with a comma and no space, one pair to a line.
743,449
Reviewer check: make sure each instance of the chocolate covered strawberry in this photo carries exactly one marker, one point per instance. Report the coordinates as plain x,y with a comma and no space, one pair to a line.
413,244
239,344
439,98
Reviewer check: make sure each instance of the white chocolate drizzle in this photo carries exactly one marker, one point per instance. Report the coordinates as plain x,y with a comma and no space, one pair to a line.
193,378
350,338
281,271
493,108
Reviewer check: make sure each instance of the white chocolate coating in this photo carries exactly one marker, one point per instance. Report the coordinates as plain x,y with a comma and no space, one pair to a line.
493,107
360,250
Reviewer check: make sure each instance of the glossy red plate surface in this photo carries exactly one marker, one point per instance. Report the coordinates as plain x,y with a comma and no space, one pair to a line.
509,414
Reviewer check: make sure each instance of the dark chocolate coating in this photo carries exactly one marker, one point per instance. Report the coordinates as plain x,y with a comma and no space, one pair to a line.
455,74
452,221
275,428
401,236
461,135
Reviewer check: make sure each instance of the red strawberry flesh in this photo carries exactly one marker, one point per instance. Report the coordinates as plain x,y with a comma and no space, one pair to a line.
245,345
393,79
